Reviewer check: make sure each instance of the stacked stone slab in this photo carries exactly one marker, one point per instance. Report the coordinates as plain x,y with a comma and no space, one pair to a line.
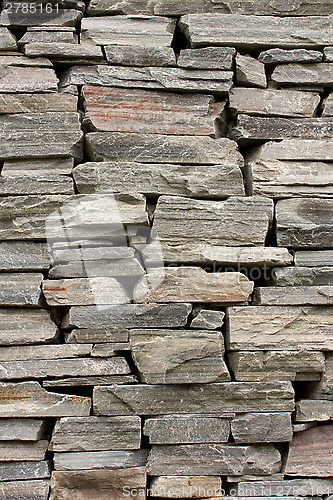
166,253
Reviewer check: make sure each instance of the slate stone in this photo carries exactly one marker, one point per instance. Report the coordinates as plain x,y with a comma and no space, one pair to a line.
44,166
305,223
178,356
26,326
328,105
280,56
213,459
22,429
58,17
277,365
323,390
298,149
280,328
207,58
78,460
304,74
107,350
107,484
175,429
216,181
95,269
132,55
262,428
328,54
11,58
189,486
317,258
97,335
96,433
56,351
30,490
128,315
287,487
64,53
18,471
197,398
20,289
92,253
90,381
294,295
309,410
270,102
24,256
303,276
250,72
37,103
7,40
35,184
23,450
22,79
310,453
208,319
256,32
49,34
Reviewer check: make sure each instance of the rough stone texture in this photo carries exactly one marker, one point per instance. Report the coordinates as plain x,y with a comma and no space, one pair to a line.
18,471
90,381
256,32
132,55
262,428
314,258
100,460
21,429
298,149
201,399
35,184
12,451
288,487
174,429
30,490
96,433
280,56
44,166
26,326
309,410
270,102
99,335
185,486
58,351
178,356
310,453
207,58
20,289
328,105
216,181
208,319
303,276
250,72
305,223
37,103
64,53
7,40
64,17
304,74
21,79
323,390
280,328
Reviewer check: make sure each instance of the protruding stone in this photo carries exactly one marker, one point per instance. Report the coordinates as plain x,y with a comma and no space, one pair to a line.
303,276
7,40
280,56
21,79
262,428
22,429
314,410
294,295
250,72
324,390
62,17
12,451
51,351
298,149
328,105
207,58
64,53
304,74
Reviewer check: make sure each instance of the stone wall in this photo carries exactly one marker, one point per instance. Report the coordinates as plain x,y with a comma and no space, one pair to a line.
166,249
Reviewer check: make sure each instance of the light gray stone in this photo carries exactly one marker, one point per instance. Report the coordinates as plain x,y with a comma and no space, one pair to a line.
24,256
26,326
78,460
20,289
309,410
90,381
304,74
328,105
98,335
22,429
35,184
179,356
303,276
250,72
207,58
280,56
91,253
287,487
18,471
44,166
262,428
60,17
7,40
197,399
29,399
64,53
37,103
280,328
99,270
132,55
176,429
208,319
49,34
11,58
316,258
57,351
305,223
323,390
294,295
12,451
22,79
328,54
298,149
30,490
96,433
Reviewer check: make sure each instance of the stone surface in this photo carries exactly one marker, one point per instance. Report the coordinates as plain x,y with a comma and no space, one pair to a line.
22,429
178,356
304,74
96,433
122,110
305,223
20,289
208,319
12,451
26,326
18,471
37,103
288,487
132,55
64,53
30,490
108,484
128,315
270,102
216,181
280,56
303,276
276,365
294,295
328,105
98,335
262,428
310,453
256,32
57,351
99,271
314,258
60,17
298,149
323,390
44,166
100,460
250,72
280,328
213,459
185,486
49,34
90,381
174,429
197,398
207,58
22,79
35,184
328,54
309,410
7,40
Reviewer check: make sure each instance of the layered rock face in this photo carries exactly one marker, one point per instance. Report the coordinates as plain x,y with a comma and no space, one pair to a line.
166,249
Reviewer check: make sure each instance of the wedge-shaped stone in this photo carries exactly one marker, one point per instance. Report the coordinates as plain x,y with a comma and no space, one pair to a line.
207,58
256,32
250,72
132,55
250,128
64,53
29,399
328,105
280,56
154,148
192,284
57,351
37,103
44,166
90,381
270,102
78,460
199,80
298,149
174,429
19,471
309,410
23,450
216,181
305,223
96,433
36,490
178,356
116,110
128,316
233,222
262,428
49,34
314,258
35,184
24,256
277,365
189,486
207,319
303,276
26,326
107,484
23,79
55,17
294,295
310,453
198,398
142,31
84,291
213,459
280,328
20,289
304,74
22,429
30,135
324,390
7,40
287,487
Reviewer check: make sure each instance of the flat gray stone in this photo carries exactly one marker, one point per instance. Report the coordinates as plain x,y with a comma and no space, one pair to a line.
26,326
132,55
207,58
281,56
208,319
18,471
22,429
304,74
49,34
22,79
64,53
315,258
250,72
7,39
35,184
90,381
37,103
262,428
99,270
36,490
54,351
294,295
20,289
303,276
97,335
309,410
62,17
78,460
24,256
12,451
298,149
44,166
